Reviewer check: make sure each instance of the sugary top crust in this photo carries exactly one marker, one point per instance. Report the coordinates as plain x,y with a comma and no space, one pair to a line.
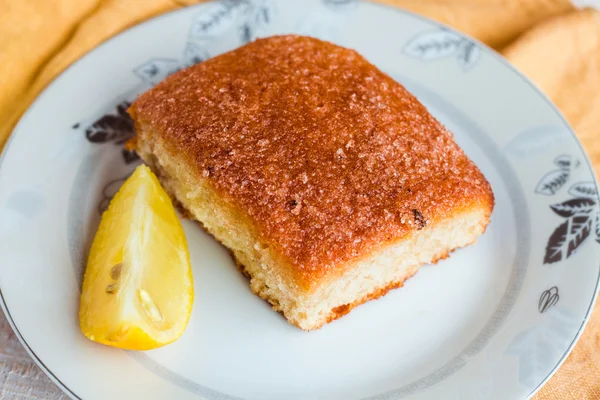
329,156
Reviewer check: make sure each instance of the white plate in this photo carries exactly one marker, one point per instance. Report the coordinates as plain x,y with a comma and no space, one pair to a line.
492,322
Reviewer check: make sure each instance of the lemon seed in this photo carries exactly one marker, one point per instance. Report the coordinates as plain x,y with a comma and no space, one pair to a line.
112,288
115,272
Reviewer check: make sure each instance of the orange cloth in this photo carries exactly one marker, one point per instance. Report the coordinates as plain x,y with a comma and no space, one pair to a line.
554,44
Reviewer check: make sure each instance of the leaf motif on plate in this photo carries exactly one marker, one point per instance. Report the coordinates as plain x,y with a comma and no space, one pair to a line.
536,355
215,18
539,348
581,226
256,15
116,126
536,141
580,205
562,324
129,156
584,189
468,54
567,238
155,70
261,13
340,4
597,226
548,299
552,182
433,45
193,54
108,192
565,161
246,33
441,43
555,245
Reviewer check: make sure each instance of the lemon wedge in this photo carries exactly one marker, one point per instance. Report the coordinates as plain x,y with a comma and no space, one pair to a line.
138,289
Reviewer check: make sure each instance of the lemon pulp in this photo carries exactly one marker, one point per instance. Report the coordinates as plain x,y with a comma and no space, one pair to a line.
138,289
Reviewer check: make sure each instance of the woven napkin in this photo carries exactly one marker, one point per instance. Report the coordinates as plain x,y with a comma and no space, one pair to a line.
555,44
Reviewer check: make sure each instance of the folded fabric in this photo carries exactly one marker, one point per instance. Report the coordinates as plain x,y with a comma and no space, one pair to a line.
562,56
40,38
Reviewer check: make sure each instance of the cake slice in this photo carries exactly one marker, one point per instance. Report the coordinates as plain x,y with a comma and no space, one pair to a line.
329,182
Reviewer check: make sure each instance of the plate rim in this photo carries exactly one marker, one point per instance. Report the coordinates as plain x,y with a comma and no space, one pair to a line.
497,56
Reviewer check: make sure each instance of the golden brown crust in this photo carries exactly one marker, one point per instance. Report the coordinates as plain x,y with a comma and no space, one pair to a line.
327,155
